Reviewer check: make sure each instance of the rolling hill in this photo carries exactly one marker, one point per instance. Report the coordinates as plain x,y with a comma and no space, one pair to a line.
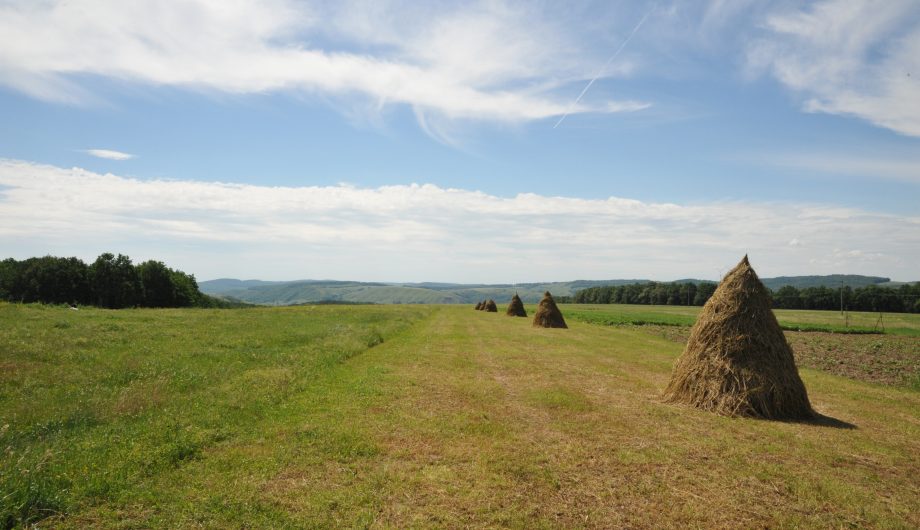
306,291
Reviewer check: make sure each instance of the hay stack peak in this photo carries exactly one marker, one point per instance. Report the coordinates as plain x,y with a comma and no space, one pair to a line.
548,315
737,361
490,306
516,307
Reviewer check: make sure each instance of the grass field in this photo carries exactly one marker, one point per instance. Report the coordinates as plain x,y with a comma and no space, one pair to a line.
795,320
421,416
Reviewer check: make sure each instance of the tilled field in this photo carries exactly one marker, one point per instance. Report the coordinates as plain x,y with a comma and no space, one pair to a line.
885,359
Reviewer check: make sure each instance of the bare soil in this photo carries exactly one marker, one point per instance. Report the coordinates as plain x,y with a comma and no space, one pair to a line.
883,359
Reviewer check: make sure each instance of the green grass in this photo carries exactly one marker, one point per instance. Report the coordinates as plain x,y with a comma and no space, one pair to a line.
395,416
789,319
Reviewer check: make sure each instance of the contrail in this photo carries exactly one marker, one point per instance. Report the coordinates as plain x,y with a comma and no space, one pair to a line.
599,72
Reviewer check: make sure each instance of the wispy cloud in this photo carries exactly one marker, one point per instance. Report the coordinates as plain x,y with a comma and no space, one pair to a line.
416,232
109,154
895,168
490,60
850,57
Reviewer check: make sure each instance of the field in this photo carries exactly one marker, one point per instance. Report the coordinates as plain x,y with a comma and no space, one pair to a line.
794,320
418,416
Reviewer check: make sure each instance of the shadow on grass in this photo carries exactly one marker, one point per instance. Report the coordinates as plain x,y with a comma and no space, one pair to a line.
820,420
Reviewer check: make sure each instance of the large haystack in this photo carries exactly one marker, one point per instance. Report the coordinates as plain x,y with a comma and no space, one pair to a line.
478,306
548,315
516,307
737,361
491,307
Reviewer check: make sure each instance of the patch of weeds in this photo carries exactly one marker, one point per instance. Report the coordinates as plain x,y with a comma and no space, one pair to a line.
75,420
31,490
914,383
176,445
373,338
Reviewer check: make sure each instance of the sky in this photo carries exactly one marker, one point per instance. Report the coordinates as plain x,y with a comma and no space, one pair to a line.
487,142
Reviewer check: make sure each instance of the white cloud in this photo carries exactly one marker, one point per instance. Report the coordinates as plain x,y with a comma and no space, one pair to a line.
851,57
488,61
425,232
109,154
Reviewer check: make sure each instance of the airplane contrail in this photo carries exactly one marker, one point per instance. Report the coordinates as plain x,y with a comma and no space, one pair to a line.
599,72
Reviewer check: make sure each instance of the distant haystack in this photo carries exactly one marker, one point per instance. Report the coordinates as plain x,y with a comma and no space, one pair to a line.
737,361
491,307
482,305
516,307
548,315
478,306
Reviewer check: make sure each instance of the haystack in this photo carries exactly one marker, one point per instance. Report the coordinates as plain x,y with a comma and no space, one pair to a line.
491,307
482,305
548,315
516,307
478,306
737,361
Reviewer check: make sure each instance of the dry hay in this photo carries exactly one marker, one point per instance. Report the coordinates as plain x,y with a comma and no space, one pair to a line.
548,315
478,306
737,361
516,307
491,307
482,305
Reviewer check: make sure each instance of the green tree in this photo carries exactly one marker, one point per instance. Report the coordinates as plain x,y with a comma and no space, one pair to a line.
115,281
157,282
187,293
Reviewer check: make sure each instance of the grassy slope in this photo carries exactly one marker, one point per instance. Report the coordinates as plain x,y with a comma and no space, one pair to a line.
896,323
464,419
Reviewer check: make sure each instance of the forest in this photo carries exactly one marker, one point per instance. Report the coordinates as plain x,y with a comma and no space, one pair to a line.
903,299
111,281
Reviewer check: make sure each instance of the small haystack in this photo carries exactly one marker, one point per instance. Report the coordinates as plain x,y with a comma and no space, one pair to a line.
516,307
478,306
737,361
491,307
548,315
482,305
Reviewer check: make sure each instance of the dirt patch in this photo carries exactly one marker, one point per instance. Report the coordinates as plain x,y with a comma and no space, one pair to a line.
884,359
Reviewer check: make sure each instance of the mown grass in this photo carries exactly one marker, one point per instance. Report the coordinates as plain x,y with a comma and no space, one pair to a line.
285,417
97,406
789,319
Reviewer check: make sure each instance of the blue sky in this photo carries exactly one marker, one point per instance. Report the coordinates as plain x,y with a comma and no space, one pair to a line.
397,142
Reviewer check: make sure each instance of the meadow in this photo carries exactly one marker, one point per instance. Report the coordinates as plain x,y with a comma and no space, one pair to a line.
417,416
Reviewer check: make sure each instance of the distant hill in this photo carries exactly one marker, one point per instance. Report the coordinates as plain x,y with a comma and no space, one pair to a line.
306,291
831,280
228,284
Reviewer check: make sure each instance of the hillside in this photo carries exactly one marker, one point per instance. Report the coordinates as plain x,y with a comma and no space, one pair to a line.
304,291
831,280
298,292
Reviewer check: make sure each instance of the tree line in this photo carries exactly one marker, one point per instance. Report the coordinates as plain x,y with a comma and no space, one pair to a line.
903,299
111,281
651,293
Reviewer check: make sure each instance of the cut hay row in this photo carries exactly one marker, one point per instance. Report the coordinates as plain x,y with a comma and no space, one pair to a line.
737,361
547,315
